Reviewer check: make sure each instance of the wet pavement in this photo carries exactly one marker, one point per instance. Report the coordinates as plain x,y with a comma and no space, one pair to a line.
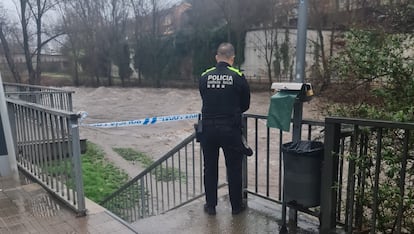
27,208
261,216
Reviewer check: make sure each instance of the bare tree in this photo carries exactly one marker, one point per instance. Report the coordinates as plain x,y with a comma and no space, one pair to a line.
73,42
139,10
24,21
153,46
225,6
97,37
84,22
154,42
319,11
4,30
267,44
118,44
38,9
239,16
34,11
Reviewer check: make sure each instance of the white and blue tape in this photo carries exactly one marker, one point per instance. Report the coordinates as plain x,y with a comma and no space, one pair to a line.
139,122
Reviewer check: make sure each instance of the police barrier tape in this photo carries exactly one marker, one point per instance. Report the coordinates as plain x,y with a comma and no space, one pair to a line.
138,122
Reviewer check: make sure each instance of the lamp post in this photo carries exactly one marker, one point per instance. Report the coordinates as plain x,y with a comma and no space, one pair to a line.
298,105
300,65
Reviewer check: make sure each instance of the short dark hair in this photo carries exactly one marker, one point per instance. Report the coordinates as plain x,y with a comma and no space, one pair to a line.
226,50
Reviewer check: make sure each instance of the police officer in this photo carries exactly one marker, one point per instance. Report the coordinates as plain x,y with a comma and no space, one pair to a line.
225,95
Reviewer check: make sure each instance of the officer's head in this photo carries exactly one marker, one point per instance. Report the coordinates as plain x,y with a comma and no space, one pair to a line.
225,53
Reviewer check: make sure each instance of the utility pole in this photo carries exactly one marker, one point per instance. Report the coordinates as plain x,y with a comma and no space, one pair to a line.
299,78
300,65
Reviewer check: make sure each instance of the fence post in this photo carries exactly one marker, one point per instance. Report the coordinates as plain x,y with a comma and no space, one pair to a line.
330,176
69,102
13,126
77,166
244,165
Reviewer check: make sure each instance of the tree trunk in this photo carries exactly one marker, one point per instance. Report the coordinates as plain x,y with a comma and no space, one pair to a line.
269,73
75,62
239,49
76,77
39,46
326,70
98,82
229,33
27,53
331,41
9,57
139,76
110,74
122,81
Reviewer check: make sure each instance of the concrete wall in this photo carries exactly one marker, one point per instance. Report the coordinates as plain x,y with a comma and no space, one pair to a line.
255,66
8,165
4,157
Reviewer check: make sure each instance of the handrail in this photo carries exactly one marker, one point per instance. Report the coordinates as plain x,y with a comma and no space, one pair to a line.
370,123
33,87
349,155
48,149
45,96
375,164
264,178
144,202
173,180
151,167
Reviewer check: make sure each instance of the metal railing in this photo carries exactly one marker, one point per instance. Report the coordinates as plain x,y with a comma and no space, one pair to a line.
177,177
48,149
353,171
48,97
172,181
368,187
263,174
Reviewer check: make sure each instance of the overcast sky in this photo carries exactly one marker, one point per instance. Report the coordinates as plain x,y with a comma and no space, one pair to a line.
13,13
10,7
8,4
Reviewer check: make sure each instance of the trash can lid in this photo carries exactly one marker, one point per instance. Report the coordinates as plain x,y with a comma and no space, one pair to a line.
302,146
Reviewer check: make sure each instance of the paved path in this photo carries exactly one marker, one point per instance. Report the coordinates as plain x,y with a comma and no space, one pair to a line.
260,217
28,208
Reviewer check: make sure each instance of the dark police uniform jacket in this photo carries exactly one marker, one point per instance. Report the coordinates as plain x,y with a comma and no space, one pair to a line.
225,93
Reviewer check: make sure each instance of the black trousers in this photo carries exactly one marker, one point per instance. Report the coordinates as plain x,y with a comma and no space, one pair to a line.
227,137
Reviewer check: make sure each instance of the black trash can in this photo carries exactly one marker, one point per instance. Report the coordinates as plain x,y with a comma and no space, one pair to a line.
302,162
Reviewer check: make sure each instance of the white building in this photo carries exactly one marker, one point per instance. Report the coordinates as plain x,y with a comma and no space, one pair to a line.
255,65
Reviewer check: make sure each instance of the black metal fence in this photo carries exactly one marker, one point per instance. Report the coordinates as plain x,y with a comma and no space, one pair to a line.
48,149
177,177
368,180
260,180
172,181
367,175
45,96
263,174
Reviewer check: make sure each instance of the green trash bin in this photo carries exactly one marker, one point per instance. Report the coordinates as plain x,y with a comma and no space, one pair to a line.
302,163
